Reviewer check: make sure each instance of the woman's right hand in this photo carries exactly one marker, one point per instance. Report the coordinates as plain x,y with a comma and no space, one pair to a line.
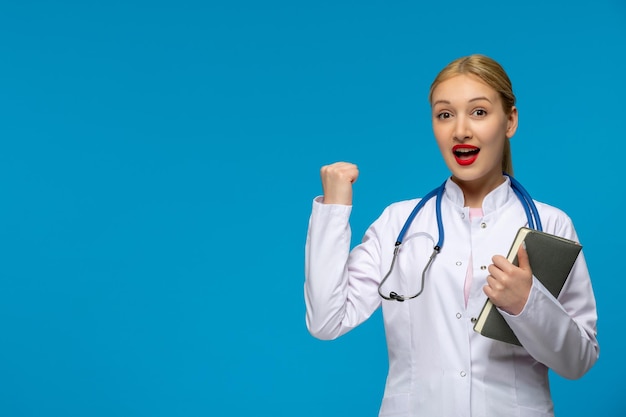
337,180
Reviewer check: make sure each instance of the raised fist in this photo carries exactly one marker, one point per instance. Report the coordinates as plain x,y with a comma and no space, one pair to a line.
337,180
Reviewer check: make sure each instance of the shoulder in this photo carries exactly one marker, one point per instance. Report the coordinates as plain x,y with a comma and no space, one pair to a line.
550,211
404,205
555,221
399,209
394,215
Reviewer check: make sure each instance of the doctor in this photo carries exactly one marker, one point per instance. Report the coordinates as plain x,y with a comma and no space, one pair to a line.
438,366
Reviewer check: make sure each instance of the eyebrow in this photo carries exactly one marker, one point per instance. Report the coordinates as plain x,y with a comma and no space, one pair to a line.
471,100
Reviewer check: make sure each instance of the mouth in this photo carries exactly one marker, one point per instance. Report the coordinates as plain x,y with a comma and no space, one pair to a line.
465,154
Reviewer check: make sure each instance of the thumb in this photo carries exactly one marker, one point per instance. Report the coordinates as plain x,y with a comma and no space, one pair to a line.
522,258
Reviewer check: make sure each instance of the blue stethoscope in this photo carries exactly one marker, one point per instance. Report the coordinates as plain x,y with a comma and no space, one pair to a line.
534,222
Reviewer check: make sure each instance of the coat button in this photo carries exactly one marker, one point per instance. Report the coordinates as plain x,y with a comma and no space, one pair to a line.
483,267
483,225
463,374
458,315
459,263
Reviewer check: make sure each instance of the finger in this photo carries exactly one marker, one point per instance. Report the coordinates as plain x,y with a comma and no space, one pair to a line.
500,261
494,284
337,180
522,258
491,293
488,291
503,264
342,171
495,272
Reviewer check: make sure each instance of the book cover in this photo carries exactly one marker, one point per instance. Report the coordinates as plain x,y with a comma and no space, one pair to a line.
551,260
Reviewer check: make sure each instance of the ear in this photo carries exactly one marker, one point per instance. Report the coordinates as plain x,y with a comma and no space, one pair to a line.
511,123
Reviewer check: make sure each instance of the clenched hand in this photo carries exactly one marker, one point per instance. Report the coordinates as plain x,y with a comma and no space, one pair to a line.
508,286
337,180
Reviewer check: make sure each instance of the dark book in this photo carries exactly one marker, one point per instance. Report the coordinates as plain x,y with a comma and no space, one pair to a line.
551,260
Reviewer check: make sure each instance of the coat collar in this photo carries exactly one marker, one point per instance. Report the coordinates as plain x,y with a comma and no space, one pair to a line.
492,201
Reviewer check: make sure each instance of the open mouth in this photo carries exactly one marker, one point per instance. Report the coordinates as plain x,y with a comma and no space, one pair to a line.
465,154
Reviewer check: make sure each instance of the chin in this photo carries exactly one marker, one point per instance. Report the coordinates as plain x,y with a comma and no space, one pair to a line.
475,175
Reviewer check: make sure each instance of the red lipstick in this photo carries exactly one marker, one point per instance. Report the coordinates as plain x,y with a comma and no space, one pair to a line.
465,154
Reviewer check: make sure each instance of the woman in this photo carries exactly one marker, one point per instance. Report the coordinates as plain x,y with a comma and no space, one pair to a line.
439,366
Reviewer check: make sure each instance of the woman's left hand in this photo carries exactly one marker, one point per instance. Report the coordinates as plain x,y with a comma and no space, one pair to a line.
508,286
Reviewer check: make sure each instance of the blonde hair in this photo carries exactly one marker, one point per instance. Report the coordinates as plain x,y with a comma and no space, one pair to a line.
492,74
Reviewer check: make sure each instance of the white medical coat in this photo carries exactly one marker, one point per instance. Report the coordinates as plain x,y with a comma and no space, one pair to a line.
438,365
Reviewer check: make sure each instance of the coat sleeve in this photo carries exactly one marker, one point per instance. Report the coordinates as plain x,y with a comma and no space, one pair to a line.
341,287
561,333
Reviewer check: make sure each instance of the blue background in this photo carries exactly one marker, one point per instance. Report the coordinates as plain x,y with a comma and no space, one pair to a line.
158,161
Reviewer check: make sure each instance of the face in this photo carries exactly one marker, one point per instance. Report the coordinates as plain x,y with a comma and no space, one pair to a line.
471,127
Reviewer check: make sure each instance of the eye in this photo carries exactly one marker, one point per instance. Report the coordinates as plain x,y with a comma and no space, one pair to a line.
444,115
480,112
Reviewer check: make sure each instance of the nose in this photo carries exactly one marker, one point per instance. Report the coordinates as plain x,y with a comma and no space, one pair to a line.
462,131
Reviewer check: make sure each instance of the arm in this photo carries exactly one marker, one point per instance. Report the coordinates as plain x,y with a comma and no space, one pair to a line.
339,290
560,333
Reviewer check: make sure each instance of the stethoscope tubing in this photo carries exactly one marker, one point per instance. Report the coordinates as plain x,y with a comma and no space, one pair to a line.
438,192
532,215
534,221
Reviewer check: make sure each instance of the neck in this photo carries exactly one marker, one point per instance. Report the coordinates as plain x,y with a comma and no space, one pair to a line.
475,191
